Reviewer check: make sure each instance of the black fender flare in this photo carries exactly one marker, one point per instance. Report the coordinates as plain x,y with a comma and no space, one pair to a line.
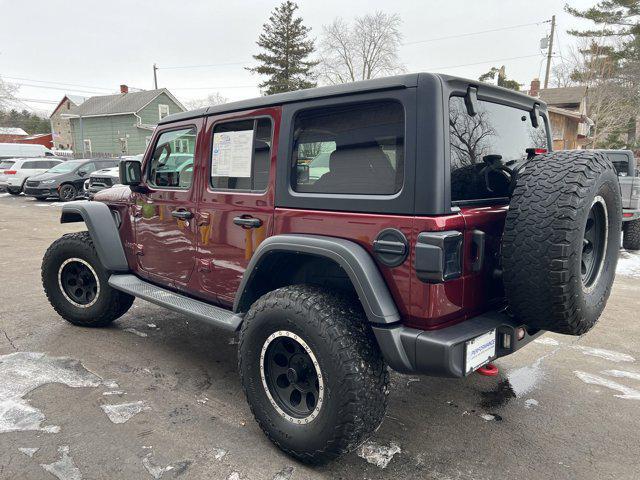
103,230
359,266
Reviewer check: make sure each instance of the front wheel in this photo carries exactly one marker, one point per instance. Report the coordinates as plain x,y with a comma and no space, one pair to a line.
14,191
312,372
76,283
68,192
631,238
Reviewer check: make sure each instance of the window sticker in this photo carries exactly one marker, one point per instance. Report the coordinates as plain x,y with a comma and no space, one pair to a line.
231,156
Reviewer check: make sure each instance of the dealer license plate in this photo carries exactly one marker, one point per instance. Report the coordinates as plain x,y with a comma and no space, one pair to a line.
480,350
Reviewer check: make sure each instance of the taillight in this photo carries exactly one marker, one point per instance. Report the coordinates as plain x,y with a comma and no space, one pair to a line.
10,172
539,151
627,215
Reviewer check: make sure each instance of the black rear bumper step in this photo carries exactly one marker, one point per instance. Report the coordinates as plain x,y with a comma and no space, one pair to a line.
441,353
213,315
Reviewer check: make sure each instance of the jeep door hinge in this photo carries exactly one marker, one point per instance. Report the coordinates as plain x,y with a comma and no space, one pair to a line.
204,265
138,249
137,210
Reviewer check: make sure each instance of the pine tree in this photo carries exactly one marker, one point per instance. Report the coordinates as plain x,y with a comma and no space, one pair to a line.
503,81
287,48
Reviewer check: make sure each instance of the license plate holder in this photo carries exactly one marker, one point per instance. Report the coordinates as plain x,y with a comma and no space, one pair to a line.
479,351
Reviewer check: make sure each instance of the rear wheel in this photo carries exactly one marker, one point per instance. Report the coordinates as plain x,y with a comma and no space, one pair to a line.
76,283
561,241
631,237
67,192
312,372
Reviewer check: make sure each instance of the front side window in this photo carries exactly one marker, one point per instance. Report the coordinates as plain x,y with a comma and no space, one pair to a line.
620,163
497,134
169,166
352,149
241,155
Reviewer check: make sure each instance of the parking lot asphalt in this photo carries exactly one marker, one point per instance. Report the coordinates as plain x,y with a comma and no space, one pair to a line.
157,395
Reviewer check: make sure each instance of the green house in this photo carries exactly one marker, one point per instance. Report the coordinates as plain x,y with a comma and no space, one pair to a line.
122,124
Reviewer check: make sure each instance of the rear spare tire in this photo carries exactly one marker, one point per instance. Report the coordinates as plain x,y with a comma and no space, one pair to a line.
561,241
631,238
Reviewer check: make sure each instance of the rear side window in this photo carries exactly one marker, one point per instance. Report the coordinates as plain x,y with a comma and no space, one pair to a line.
620,162
474,141
353,150
241,155
171,165
5,164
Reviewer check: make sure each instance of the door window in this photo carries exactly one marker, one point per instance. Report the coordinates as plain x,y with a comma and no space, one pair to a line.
353,149
241,155
170,166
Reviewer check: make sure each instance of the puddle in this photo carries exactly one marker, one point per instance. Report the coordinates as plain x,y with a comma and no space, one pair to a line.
625,392
65,468
123,412
23,372
499,396
378,455
177,468
606,354
28,451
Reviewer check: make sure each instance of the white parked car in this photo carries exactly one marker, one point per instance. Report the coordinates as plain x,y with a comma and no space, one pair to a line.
15,171
23,150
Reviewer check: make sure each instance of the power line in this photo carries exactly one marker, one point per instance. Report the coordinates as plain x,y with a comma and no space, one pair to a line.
57,83
481,63
58,88
436,39
201,66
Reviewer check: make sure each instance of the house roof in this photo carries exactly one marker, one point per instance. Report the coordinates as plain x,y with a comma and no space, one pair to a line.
12,131
77,99
565,112
118,104
564,95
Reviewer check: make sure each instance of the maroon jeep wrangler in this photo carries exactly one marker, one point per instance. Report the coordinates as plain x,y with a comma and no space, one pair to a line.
417,222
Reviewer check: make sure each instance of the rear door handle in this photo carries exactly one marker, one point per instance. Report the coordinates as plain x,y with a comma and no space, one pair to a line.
247,222
182,214
478,241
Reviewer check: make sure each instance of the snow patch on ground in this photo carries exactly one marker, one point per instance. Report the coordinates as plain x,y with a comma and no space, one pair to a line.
606,354
28,451
628,264
157,472
218,453
625,392
622,374
233,476
524,379
65,468
378,455
547,341
122,412
284,474
530,402
136,332
114,392
23,372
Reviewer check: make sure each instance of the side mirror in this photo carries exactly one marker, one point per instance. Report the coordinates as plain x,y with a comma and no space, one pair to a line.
130,172
82,173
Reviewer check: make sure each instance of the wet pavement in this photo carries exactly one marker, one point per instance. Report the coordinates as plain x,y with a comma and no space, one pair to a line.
157,395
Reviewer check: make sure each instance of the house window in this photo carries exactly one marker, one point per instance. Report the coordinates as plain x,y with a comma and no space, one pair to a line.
182,145
87,146
163,111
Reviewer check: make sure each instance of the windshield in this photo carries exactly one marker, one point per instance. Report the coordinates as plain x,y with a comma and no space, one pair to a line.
64,167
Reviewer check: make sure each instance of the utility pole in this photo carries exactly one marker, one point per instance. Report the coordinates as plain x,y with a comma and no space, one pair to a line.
155,74
549,51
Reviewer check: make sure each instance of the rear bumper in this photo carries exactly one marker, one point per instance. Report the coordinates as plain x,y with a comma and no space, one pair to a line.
441,353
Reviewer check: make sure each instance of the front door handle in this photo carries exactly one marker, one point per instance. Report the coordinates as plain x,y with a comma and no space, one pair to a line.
182,214
247,222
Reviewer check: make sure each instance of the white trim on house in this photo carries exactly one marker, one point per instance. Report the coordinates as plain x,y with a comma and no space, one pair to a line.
85,142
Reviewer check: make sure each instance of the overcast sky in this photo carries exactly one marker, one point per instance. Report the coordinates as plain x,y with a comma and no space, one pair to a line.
97,45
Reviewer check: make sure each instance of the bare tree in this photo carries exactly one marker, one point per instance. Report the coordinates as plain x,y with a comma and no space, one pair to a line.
364,49
7,95
213,99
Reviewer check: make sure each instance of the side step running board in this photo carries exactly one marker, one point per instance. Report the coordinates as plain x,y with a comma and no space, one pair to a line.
216,316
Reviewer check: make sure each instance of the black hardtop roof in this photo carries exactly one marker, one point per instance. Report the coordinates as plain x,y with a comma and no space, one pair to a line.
387,83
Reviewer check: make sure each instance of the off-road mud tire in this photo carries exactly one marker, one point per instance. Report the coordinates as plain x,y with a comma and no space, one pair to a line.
631,236
352,367
543,240
110,304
